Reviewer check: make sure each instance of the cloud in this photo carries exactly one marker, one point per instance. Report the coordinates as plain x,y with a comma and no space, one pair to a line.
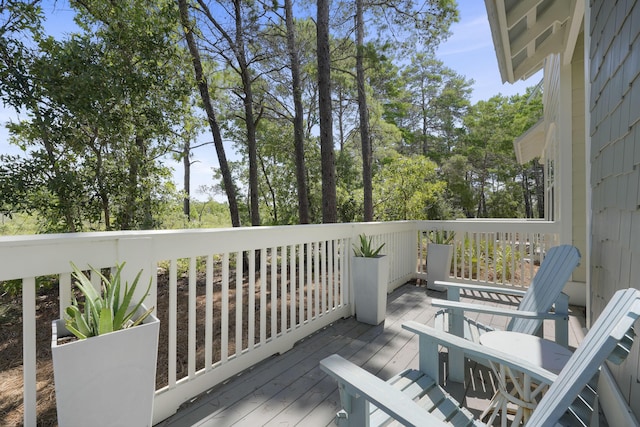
468,36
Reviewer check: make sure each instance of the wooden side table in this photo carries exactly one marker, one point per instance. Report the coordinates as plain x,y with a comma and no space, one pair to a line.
515,387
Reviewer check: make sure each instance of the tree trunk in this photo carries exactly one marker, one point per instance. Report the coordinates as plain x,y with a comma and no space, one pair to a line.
298,120
128,214
363,109
526,192
240,54
186,162
203,86
329,203
539,180
272,192
143,173
103,194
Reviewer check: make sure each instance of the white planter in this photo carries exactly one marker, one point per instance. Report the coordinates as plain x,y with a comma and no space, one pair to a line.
438,264
370,277
108,380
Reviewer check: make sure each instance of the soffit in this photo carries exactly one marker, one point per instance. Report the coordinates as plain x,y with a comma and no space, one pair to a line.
525,32
531,143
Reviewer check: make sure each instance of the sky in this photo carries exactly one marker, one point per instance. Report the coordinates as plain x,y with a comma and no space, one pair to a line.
468,51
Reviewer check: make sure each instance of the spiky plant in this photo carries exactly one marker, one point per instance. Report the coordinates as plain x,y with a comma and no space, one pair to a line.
105,311
365,249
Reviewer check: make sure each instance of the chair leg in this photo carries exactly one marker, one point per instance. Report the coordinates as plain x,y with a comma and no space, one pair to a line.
562,323
456,356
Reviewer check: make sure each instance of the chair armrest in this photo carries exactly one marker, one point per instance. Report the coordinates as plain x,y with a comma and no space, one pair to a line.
477,308
481,288
355,381
432,336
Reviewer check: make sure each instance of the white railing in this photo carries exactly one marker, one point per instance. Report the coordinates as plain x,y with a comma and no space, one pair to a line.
229,298
500,252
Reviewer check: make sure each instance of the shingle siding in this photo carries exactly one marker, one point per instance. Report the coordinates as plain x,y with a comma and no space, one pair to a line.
614,104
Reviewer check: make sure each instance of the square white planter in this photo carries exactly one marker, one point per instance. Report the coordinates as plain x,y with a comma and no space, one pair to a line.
108,380
438,264
370,277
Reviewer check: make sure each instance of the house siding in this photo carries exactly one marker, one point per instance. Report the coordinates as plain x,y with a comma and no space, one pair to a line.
614,105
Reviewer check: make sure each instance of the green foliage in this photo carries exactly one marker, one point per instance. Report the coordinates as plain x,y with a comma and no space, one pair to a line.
105,311
101,109
467,255
474,258
13,288
441,237
105,105
365,248
492,169
408,188
506,202
505,257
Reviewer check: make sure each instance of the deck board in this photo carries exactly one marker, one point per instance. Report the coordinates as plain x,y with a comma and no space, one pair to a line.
290,389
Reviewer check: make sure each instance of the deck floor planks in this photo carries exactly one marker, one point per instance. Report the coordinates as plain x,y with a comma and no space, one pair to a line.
290,389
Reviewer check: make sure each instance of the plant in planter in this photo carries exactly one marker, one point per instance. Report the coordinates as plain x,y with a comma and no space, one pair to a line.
370,276
365,249
439,252
104,354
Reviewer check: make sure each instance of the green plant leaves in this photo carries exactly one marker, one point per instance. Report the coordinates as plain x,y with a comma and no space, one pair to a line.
104,311
365,249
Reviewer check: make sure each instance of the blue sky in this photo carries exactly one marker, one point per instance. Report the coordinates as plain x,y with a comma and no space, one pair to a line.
468,51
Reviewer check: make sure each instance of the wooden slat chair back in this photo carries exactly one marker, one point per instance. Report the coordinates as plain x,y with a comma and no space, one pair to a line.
543,294
414,397
546,286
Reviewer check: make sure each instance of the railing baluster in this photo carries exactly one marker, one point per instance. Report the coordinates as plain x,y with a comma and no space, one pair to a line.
323,274
283,290
96,280
292,286
274,292
65,292
193,275
316,279
301,284
252,300
172,315
239,302
208,323
263,295
309,247
224,315
29,349
334,273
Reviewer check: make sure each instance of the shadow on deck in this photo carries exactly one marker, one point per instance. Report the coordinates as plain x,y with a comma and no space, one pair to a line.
290,389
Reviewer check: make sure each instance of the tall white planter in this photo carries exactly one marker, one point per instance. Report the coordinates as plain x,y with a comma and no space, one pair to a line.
438,264
370,277
108,380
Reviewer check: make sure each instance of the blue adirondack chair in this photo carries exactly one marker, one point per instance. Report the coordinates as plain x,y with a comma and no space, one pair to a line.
414,397
543,294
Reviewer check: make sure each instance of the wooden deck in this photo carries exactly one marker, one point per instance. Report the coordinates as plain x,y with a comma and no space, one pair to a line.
290,389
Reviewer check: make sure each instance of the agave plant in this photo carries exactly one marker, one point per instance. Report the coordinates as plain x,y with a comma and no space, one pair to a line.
107,311
441,237
365,249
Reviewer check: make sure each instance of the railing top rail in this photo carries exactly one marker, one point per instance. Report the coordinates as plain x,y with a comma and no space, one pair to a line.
36,255
491,225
